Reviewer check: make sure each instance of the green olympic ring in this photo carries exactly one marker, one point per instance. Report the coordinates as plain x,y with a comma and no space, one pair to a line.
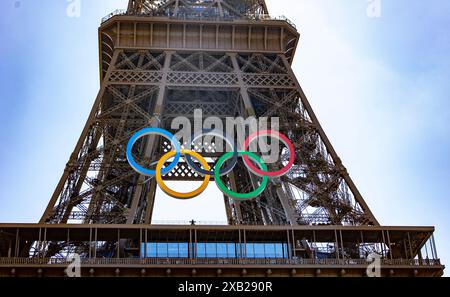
232,194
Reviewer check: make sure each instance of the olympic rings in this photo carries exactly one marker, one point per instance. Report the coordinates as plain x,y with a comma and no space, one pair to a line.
240,196
175,194
151,131
232,145
263,172
177,152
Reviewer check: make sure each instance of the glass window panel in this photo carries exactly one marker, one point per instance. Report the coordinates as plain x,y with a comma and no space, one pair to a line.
222,250
151,250
201,250
173,250
259,250
211,250
250,248
184,250
231,249
270,251
162,250
279,250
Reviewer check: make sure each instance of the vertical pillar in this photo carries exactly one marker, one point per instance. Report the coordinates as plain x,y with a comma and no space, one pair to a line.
434,247
289,249
245,244
9,249
45,243
118,244
410,247
68,242
383,247
190,246
17,245
140,243
389,243
315,244
294,245
342,244
337,244
90,243
195,244
146,243
39,247
95,242
151,145
240,244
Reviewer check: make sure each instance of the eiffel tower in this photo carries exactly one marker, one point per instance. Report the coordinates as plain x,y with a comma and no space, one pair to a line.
229,58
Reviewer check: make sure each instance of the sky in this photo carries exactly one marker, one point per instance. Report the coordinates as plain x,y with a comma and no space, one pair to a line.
378,85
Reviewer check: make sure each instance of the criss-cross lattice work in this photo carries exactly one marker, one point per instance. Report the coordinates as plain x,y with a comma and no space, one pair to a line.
192,78
146,88
164,64
199,8
270,81
201,62
123,76
140,60
259,63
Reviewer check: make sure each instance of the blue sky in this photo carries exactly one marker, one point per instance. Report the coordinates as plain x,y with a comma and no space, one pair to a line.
378,85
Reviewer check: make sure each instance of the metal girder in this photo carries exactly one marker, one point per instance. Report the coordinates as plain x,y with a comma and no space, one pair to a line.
164,59
316,191
199,8
341,248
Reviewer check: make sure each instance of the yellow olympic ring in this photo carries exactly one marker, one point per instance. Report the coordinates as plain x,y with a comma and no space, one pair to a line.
175,194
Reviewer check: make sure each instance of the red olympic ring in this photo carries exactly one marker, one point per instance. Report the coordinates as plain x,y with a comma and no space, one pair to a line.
280,137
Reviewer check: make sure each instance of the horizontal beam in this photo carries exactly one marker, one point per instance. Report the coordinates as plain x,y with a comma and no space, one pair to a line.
215,270
160,34
202,79
220,228
211,262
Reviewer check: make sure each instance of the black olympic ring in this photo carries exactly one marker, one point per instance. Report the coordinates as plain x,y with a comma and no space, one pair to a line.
225,137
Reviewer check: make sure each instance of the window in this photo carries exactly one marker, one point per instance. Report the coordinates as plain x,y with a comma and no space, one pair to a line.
260,250
250,250
280,250
162,250
215,250
151,250
222,251
173,250
183,250
231,250
270,251
211,250
201,250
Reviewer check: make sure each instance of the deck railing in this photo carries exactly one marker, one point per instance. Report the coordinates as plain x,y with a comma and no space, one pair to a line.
200,17
218,261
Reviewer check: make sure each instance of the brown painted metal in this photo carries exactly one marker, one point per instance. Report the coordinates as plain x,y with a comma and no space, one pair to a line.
230,59
125,259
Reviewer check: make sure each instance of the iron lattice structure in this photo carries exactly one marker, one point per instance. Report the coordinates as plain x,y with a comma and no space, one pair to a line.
229,58
199,8
233,63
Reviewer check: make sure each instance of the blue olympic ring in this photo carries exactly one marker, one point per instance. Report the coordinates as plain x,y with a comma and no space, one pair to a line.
153,131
